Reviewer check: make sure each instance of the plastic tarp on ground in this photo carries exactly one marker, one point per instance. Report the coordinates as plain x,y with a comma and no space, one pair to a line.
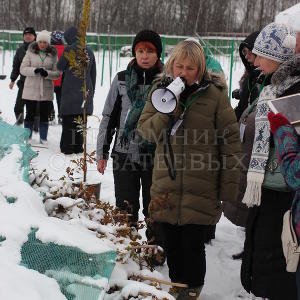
290,16
15,135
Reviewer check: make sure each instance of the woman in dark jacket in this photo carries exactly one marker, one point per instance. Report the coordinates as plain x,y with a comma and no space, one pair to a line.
72,96
248,90
235,210
132,156
263,270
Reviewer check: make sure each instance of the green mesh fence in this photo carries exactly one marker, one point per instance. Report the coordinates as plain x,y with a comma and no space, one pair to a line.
10,135
72,268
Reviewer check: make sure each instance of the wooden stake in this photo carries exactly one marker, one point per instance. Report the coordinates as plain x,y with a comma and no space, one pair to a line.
180,285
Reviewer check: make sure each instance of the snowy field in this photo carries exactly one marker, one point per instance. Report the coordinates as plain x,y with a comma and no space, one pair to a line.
222,280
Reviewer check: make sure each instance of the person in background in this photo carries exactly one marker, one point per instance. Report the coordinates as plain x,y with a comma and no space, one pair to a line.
263,270
132,156
235,210
39,67
57,40
248,90
187,191
72,96
29,36
212,64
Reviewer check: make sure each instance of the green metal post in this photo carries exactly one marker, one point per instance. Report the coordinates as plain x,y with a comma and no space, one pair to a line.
117,58
163,49
103,57
231,67
111,61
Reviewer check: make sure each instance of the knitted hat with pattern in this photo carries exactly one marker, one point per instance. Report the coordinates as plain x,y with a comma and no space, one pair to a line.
276,42
57,38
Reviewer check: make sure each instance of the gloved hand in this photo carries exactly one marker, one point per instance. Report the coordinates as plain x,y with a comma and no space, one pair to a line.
37,70
236,94
277,121
43,72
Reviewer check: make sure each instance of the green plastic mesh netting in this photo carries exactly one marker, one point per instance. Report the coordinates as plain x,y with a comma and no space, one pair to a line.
10,135
76,272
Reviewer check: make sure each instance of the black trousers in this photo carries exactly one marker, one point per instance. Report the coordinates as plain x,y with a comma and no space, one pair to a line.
37,108
263,269
185,250
71,140
129,177
20,103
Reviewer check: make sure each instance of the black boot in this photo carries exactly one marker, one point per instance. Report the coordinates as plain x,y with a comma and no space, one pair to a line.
190,293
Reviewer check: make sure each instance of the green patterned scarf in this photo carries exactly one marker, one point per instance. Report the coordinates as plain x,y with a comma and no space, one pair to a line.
138,96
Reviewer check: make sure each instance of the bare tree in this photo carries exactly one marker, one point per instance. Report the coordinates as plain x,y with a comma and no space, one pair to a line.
175,17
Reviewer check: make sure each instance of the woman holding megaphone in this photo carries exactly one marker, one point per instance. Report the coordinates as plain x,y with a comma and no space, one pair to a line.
196,164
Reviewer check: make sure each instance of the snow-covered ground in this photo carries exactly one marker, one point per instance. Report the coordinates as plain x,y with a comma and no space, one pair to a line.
222,280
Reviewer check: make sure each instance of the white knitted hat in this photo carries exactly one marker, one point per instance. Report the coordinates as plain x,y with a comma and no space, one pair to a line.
44,35
276,42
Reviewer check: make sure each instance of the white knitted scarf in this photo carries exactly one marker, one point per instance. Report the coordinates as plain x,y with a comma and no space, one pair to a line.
281,81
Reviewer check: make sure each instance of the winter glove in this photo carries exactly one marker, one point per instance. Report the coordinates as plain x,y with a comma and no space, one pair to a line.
43,72
277,121
37,70
236,94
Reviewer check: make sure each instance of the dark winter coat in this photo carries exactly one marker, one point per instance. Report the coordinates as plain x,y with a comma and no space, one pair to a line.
248,88
234,209
18,58
72,95
195,196
263,267
263,270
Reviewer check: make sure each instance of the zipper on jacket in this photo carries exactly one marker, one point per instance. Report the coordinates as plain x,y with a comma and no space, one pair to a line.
181,178
144,76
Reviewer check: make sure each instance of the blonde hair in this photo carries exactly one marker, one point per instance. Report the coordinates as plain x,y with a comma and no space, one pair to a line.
187,49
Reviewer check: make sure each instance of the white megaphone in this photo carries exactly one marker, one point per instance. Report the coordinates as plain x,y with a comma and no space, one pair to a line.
165,99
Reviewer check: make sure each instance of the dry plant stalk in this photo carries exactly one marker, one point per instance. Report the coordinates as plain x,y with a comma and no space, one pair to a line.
180,285
78,63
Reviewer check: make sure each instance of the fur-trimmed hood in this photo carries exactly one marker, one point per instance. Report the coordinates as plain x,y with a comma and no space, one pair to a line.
33,47
218,79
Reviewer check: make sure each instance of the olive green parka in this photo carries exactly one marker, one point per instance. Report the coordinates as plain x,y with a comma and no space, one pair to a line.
207,153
